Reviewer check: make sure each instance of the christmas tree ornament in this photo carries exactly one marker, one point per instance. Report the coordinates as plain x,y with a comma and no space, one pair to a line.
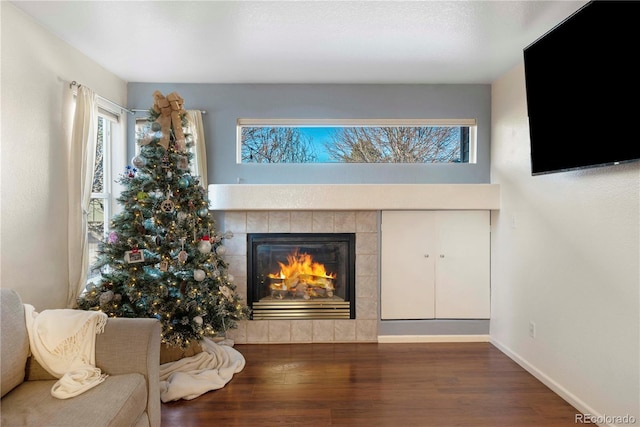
106,297
199,275
142,196
183,182
221,250
204,245
138,161
167,206
134,256
203,212
164,163
183,162
224,290
146,139
164,266
182,216
112,238
155,126
183,255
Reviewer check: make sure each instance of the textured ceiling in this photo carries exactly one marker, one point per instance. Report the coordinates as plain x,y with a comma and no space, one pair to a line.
302,41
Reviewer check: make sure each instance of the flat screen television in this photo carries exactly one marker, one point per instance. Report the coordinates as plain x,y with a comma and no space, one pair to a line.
583,89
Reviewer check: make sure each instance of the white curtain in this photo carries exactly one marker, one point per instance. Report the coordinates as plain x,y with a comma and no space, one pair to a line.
199,149
82,153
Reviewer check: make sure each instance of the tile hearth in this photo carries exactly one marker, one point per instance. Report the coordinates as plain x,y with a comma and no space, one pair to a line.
363,223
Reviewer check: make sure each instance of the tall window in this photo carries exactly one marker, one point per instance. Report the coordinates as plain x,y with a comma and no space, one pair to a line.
356,141
102,198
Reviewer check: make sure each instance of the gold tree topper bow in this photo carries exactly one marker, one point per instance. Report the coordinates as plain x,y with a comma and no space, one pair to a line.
170,110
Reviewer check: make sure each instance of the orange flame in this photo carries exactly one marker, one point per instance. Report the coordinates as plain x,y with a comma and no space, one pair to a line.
301,269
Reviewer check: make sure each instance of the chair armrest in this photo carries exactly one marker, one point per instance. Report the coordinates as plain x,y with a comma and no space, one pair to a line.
133,345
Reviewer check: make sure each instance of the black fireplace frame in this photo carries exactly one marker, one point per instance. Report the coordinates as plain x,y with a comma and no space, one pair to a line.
253,281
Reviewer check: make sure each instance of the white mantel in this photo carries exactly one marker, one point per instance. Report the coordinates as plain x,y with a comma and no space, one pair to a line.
252,197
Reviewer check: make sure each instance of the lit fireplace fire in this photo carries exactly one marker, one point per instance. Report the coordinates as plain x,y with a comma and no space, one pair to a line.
302,277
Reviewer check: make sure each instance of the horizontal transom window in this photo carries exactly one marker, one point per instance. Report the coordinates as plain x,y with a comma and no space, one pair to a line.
356,141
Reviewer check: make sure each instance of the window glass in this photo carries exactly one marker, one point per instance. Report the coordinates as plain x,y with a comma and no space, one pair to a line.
356,141
99,205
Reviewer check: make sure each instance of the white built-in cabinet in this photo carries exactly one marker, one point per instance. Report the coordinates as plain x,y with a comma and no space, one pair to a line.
435,264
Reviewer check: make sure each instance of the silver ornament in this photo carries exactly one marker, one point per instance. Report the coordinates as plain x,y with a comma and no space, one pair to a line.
138,161
199,275
204,246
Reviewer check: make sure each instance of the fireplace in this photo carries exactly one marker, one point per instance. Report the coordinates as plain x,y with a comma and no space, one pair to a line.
301,275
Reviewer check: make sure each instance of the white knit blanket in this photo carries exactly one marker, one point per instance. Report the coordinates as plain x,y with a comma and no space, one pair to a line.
193,376
63,342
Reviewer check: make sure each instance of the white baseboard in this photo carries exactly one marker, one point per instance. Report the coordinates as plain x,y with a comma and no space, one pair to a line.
557,388
431,338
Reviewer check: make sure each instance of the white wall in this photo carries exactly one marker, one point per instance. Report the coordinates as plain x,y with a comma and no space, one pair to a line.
36,70
565,256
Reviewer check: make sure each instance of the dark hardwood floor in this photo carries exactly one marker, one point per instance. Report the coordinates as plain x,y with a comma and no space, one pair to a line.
440,385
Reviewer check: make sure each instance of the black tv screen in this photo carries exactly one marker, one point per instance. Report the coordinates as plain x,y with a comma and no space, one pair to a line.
583,89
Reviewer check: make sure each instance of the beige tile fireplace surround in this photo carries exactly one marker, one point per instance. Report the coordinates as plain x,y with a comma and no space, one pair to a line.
363,223
336,208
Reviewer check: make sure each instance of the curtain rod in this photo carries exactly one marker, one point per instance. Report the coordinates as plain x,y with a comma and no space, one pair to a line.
75,83
139,110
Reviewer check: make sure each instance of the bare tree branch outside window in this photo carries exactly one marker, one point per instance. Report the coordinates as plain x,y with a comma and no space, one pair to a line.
276,145
98,167
396,145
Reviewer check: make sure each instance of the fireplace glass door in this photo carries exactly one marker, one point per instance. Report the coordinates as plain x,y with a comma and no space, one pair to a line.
301,275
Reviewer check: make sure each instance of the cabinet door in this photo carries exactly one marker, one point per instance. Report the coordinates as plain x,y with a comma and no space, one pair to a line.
407,265
462,289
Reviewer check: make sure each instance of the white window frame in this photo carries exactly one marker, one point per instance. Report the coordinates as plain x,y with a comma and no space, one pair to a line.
252,122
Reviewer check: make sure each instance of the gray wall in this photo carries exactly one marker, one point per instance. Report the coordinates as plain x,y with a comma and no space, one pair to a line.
225,103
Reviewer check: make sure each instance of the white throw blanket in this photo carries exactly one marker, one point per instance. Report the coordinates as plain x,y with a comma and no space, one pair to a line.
193,376
63,342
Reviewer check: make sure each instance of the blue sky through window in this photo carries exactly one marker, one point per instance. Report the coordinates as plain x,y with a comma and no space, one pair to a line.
320,135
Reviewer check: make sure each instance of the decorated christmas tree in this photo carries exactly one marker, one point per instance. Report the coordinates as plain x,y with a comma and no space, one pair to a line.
163,257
